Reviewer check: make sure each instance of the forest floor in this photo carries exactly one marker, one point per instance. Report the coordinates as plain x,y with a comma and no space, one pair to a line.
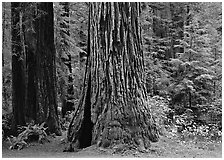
167,147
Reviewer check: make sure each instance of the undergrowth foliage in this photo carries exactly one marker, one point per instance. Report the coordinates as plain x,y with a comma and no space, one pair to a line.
161,112
30,133
188,126
191,127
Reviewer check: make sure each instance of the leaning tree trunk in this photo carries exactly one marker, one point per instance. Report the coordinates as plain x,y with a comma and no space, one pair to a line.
46,69
18,69
113,108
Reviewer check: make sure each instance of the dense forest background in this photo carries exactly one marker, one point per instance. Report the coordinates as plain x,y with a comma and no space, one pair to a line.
182,52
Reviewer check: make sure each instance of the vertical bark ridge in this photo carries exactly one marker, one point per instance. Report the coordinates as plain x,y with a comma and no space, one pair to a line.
18,68
46,71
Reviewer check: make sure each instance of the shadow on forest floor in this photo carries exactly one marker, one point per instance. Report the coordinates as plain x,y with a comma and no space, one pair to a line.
167,147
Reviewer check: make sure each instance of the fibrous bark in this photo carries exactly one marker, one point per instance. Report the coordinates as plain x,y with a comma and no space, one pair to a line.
46,69
18,69
113,108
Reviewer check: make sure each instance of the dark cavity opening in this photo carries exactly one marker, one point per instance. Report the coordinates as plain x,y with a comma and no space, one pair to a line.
85,137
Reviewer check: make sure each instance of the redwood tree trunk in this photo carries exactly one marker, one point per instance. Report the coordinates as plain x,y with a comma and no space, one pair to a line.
30,48
31,111
46,69
113,108
18,69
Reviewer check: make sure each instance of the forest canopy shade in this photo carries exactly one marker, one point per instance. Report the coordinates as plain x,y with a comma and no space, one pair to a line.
113,108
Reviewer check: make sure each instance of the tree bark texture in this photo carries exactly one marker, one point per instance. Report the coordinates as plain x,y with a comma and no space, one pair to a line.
30,42
113,108
18,69
46,69
31,111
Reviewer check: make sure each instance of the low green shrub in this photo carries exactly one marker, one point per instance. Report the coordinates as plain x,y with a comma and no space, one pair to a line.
161,112
201,133
30,133
190,130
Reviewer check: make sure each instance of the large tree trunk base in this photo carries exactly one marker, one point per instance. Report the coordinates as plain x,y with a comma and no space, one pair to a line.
136,132
115,133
